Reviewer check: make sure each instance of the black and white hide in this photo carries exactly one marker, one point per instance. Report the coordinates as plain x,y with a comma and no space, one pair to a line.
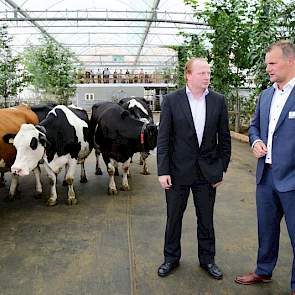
139,109
62,140
118,135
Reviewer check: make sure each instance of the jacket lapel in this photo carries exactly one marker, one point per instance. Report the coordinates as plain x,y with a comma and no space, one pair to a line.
209,111
184,103
265,110
289,103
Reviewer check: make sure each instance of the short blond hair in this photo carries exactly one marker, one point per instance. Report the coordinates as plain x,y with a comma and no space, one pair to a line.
287,47
189,65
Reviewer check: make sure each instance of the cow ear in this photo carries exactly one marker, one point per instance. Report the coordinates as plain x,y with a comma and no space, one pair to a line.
34,143
125,114
41,128
145,100
8,138
43,140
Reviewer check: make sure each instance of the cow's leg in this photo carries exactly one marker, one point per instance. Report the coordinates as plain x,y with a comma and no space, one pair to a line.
13,188
64,183
112,190
125,168
52,182
116,168
97,166
2,180
143,157
70,180
37,173
83,178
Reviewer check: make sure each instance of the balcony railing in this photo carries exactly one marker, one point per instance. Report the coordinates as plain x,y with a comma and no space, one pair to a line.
88,77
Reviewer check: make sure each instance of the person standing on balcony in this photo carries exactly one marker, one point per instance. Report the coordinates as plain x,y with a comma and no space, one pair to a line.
115,76
98,76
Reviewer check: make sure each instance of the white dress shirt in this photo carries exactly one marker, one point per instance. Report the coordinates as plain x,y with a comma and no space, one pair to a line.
198,109
277,104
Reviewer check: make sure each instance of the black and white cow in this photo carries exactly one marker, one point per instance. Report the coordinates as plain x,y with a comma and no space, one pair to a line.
61,139
139,109
118,136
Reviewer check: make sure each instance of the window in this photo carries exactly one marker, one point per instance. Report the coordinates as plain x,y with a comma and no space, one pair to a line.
89,96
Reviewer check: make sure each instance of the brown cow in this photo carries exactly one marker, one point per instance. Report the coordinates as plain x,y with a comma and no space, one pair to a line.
11,120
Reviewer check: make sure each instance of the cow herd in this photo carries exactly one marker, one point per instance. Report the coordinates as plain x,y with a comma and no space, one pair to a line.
57,137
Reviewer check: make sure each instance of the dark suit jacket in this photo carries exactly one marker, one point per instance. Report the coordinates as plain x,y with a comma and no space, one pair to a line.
178,151
283,144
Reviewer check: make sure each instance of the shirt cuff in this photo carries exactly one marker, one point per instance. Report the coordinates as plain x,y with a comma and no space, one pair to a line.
257,140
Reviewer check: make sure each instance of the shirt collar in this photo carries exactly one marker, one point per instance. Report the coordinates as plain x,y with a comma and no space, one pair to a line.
189,93
289,85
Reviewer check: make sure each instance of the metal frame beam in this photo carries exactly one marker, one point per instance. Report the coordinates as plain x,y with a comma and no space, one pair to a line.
97,45
96,19
27,16
152,18
148,20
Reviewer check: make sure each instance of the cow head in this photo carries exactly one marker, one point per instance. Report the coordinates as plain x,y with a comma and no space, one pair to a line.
30,146
150,136
139,110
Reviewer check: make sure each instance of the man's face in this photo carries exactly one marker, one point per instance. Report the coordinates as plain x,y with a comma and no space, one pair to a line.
200,75
277,66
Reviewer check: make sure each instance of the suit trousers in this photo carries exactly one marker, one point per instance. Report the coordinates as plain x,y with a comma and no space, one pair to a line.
204,199
271,207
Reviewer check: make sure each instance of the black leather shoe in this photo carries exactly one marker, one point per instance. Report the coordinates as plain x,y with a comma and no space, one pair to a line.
213,270
166,268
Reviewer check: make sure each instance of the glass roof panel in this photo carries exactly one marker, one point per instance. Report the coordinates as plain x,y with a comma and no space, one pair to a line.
130,34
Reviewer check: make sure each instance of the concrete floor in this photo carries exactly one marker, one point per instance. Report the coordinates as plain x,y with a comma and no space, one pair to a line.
111,245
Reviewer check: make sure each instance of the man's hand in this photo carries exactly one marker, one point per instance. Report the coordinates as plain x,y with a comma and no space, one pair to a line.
259,149
217,184
165,181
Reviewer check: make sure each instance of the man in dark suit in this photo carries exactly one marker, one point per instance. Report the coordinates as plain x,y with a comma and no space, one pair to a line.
193,152
272,137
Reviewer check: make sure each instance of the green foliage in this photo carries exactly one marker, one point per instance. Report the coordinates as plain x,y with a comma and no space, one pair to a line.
193,46
287,20
240,32
265,30
51,69
12,78
229,37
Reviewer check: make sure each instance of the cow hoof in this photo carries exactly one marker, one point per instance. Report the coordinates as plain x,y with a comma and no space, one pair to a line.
83,180
98,171
145,173
125,188
71,202
64,183
116,172
51,202
38,196
112,191
9,198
